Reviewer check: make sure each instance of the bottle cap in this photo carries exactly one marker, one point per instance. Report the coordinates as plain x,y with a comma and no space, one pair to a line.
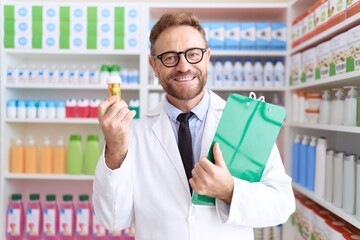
67,198
50,197
114,79
115,68
84,197
16,196
93,137
34,197
105,68
75,137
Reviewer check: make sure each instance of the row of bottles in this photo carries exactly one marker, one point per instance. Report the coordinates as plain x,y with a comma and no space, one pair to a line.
69,74
49,220
55,159
326,109
257,74
331,174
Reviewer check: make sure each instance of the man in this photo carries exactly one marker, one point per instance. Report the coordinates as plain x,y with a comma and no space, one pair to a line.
141,179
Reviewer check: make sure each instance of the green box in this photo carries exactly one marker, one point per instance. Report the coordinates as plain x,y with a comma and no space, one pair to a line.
64,41
9,41
119,42
92,28
9,27
91,42
92,14
37,41
9,12
37,13
65,28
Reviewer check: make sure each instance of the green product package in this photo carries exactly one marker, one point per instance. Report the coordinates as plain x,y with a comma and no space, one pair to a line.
246,134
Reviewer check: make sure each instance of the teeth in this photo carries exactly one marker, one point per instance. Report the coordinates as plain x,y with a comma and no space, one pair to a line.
185,79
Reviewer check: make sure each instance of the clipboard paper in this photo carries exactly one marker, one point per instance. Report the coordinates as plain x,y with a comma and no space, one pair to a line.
246,134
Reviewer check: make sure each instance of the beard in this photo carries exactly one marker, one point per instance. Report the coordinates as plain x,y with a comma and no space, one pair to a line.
181,92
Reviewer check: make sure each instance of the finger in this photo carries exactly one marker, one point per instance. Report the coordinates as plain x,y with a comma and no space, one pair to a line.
193,184
104,105
129,117
219,161
200,172
206,165
118,110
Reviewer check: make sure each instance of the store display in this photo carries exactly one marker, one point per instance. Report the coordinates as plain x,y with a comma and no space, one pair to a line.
15,218
34,221
83,218
67,219
50,218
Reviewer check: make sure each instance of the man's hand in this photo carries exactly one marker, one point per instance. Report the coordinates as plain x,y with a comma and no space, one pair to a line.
115,118
213,180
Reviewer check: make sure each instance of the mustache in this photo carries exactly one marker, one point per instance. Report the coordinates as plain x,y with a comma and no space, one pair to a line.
184,74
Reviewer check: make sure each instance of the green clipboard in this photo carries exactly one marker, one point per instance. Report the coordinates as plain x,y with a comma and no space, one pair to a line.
246,134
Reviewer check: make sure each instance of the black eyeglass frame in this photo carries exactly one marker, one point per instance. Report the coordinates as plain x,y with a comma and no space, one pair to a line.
203,50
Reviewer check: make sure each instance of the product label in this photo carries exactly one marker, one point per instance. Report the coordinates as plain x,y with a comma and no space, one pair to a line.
13,226
82,222
32,222
98,230
66,222
49,222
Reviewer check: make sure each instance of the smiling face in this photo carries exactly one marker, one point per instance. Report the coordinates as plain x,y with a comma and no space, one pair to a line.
184,83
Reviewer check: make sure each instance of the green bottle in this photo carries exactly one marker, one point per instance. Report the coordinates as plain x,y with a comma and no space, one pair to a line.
91,154
74,158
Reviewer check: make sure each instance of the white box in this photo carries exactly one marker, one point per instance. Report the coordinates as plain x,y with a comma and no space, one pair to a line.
78,28
206,27
321,14
323,58
105,14
247,35
132,14
263,36
309,64
132,43
51,28
278,36
336,7
23,41
51,13
50,42
23,12
339,52
23,27
354,45
217,35
232,35
77,42
295,71
105,42
105,28
132,28
78,13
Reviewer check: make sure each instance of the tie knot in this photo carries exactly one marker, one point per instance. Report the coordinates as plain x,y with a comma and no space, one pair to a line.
184,117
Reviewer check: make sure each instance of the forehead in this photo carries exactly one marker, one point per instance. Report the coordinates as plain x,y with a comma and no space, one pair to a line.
178,38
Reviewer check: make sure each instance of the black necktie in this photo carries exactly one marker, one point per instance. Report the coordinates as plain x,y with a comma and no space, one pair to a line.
185,144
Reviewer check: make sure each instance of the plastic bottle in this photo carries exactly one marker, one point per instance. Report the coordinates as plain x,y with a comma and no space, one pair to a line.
92,153
11,74
94,74
258,73
59,166
228,72
133,77
46,157
115,70
54,74
320,166
93,105
71,108
22,74
31,156
279,73
21,109
302,102
33,73
42,109
296,158
83,108
350,106
51,110
268,73
99,232
64,74
124,75
276,100
43,74
60,109
73,74
34,223
15,218
114,86
210,72
218,73
248,73
337,107
311,162
67,219
83,75
74,159
134,104
50,218
349,186
329,175
129,233
31,109
17,157
83,218
104,73
324,117
238,73
11,109
303,161
338,179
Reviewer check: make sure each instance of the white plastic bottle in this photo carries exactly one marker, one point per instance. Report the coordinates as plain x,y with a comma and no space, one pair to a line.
33,73
324,117
228,72
337,107
295,106
94,74
258,73
83,75
218,73
43,74
73,74
64,74
248,73
104,73
279,73
53,74
11,74
22,74
238,73
268,73
350,106
210,72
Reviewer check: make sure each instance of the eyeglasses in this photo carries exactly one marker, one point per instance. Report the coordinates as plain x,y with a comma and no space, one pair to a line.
172,58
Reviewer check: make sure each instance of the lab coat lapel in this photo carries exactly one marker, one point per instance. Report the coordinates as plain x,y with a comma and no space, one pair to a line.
163,131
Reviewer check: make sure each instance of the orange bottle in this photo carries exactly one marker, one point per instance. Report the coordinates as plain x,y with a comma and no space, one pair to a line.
17,157
59,166
31,156
46,157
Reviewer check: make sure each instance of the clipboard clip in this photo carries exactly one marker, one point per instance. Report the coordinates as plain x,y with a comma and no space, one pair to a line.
253,96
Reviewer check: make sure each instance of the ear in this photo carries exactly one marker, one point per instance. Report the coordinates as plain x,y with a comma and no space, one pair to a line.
208,53
153,66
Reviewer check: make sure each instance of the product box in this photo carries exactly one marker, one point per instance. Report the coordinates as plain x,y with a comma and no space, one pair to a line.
105,29
353,7
132,43
278,36
336,229
263,36
339,54
51,28
336,12
23,12
247,36
50,42
132,28
132,13
105,42
105,14
232,36
354,48
320,16
308,25
217,36
295,71
305,217
206,27
318,223
297,30
23,27
78,28
323,59
22,41
77,42
308,65
78,13
51,13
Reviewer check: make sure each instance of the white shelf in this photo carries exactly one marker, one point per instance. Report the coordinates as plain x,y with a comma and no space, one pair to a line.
221,6
338,211
327,127
68,86
47,52
81,177
56,121
240,53
350,78
231,88
344,25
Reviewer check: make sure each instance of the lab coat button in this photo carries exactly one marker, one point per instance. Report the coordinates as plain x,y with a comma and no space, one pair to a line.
191,219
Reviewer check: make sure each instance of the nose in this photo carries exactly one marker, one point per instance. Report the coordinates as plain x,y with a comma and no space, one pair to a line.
183,65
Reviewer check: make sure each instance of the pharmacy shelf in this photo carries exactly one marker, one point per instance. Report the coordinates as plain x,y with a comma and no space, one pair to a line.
55,121
240,53
231,89
68,86
81,177
327,127
329,33
87,52
337,211
345,79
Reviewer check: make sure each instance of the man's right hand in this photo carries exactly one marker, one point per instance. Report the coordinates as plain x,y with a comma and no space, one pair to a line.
115,118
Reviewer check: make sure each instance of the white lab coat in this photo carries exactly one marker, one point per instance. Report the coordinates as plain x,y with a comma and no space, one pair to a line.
151,190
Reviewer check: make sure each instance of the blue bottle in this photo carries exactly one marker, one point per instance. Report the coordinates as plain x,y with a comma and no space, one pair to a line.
311,163
303,160
296,158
